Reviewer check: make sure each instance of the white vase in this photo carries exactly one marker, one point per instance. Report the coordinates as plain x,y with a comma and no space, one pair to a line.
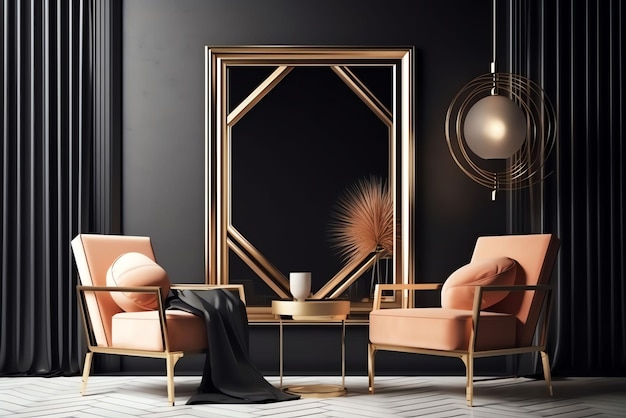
300,285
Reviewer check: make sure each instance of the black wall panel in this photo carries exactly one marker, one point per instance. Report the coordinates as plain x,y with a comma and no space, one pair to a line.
163,123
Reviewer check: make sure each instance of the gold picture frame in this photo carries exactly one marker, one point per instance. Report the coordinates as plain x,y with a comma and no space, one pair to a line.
222,237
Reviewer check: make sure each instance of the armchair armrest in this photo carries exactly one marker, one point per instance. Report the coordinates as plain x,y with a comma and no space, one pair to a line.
146,289
516,288
126,289
378,290
238,287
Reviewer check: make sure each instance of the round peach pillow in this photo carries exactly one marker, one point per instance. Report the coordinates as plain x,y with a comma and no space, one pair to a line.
458,290
136,269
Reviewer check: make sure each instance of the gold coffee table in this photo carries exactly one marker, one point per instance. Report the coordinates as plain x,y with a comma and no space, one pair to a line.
314,312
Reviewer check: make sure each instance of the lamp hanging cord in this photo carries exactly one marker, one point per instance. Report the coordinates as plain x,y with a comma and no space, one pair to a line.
493,47
493,35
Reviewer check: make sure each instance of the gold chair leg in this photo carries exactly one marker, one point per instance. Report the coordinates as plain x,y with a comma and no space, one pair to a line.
171,361
86,371
545,361
469,382
371,351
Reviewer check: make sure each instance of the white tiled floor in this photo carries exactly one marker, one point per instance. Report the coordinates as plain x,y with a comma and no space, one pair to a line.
134,396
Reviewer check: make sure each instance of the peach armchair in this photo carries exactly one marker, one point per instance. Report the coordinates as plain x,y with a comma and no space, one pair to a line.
498,304
121,299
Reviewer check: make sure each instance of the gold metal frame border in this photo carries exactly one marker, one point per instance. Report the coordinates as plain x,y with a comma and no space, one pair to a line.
220,235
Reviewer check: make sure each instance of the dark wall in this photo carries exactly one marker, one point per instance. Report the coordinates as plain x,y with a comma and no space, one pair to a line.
163,110
164,113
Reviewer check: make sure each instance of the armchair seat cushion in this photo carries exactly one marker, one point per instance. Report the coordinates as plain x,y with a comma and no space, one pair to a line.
141,331
440,328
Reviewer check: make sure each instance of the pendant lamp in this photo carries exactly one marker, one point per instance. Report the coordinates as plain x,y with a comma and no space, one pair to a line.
505,117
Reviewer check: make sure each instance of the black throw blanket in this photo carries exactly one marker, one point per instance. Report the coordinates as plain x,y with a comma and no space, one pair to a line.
229,376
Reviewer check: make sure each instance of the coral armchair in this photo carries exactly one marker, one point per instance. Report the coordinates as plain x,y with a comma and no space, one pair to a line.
121,299
498,304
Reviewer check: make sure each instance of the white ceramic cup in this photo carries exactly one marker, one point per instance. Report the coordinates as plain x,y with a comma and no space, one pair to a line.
300,285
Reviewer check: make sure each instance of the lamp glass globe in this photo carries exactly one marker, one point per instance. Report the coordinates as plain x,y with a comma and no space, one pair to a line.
495,127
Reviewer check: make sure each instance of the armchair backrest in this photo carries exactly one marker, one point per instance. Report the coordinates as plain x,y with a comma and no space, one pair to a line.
536,255
94,254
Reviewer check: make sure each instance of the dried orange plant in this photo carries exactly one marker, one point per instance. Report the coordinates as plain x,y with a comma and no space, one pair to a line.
363,221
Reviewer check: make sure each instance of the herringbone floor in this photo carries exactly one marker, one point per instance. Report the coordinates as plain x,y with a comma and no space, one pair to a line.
395,397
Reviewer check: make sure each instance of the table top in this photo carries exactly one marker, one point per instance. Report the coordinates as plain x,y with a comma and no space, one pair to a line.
312,309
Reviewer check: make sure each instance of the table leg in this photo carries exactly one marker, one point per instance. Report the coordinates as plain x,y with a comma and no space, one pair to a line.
343,354
280,366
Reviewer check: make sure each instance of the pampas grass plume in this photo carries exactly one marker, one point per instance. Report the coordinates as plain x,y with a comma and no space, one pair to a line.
363,220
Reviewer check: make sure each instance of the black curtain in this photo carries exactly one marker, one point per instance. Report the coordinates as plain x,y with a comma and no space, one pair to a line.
56,179
575,50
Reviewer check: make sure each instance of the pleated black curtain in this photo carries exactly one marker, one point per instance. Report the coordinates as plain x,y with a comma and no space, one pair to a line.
52,171
575,50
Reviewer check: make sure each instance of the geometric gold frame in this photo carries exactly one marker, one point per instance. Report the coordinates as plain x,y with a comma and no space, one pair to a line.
221,235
